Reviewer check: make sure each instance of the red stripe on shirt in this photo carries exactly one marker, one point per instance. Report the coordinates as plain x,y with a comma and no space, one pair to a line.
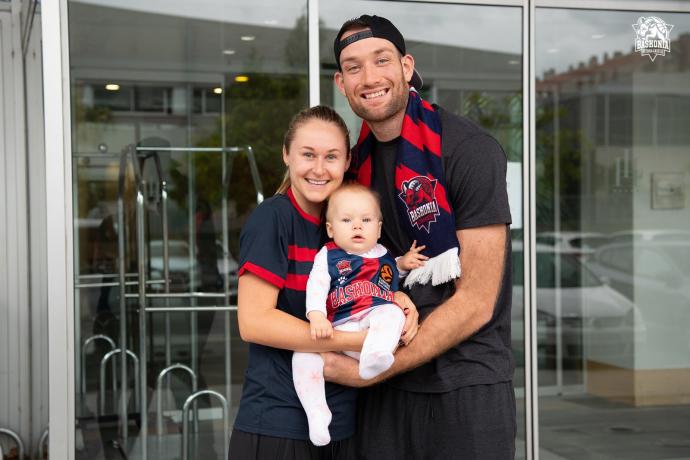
301,254
262,273
296,282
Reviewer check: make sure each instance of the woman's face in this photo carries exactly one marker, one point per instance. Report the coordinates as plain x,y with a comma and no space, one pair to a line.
317,160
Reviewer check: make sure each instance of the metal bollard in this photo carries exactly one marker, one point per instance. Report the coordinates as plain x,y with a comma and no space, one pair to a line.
159,391
104,361
17,440
185,421
87,342
41,444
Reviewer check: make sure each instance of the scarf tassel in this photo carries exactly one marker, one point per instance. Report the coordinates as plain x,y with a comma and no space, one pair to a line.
439,269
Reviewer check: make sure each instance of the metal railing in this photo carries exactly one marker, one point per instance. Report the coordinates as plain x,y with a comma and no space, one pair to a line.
17,441
185,420
41,444
87,342
159,393
134,158
104,361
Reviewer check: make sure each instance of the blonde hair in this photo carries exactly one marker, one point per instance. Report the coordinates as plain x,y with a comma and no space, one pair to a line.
319,112
354,187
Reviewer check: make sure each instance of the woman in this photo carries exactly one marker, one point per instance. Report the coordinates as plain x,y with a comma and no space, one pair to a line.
277,247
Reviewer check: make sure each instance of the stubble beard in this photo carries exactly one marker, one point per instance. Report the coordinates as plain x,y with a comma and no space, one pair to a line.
396,105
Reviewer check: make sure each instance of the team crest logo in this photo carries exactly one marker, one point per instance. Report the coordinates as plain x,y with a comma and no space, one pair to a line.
385,277
419,195
652,36
343,267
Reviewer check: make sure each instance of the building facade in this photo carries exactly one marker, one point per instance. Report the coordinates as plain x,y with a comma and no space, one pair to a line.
137,136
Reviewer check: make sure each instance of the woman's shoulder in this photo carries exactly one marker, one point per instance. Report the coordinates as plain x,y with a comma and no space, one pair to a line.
273,212
277,206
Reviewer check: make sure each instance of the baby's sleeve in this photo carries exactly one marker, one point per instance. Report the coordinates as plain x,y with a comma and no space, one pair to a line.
319,283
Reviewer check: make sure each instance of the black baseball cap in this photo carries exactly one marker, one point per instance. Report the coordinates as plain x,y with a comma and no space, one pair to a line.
378,27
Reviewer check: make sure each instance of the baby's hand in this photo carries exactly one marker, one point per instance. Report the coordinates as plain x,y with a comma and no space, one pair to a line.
412,258
319,325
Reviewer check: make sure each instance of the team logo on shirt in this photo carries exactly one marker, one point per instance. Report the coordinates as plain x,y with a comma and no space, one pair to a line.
343,267
385,277
419,195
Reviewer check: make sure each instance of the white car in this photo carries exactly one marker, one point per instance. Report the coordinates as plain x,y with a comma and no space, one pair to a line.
594,318
579,244
655,269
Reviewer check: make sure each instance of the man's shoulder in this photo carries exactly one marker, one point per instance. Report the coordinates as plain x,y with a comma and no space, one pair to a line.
457,130
461,127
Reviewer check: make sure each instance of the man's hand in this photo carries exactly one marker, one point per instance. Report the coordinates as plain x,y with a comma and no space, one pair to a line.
411,317
319,325
413,258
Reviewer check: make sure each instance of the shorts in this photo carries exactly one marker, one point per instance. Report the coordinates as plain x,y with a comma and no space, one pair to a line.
252,446
474,422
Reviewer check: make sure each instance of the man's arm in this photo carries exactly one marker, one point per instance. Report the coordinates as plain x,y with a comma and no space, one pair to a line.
482,258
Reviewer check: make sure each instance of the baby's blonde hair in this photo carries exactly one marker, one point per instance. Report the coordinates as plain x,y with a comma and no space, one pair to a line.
354,187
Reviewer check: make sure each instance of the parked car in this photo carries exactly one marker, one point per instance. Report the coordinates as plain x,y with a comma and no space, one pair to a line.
660,269
182,267
579,244
660,235
594,318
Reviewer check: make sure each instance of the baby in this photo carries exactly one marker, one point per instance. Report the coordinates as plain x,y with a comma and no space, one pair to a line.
350,288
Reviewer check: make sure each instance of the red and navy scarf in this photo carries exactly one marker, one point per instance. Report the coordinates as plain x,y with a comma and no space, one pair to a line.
424,210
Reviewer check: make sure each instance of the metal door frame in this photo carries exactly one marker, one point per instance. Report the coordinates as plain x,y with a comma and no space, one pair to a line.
59,212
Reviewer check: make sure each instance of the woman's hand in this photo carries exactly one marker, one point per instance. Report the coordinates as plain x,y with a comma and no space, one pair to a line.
411,317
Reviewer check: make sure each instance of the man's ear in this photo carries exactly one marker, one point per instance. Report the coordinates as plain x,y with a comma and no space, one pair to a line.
329,230
408,67
338,79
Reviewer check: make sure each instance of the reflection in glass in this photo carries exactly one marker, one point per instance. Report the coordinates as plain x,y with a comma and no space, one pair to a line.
613,226
474,75
181,83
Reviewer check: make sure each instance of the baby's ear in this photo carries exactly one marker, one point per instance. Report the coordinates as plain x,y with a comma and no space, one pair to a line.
380,227
329,230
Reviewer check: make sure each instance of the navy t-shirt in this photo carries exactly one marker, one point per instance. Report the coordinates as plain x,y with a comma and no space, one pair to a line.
475,168
278,244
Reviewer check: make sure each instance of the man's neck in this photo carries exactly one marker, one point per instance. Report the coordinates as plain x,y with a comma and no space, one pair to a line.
389,129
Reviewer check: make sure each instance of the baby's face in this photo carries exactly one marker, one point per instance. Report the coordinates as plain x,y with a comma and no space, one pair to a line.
354,221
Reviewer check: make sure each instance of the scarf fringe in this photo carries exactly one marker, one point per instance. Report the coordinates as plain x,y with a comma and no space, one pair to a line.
440,269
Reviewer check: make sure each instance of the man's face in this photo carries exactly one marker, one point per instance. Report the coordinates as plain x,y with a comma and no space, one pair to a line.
374,78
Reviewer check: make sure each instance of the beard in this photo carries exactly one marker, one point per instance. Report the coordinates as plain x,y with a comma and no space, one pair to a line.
397,104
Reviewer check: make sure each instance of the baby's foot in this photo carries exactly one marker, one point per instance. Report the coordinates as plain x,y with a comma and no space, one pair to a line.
373,364
318,426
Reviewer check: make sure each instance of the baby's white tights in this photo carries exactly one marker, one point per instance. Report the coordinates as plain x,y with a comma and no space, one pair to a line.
385,324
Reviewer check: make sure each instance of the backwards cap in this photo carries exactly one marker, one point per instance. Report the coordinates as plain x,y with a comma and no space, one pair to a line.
378,27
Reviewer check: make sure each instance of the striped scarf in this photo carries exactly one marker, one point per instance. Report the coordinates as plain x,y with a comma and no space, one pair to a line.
424,210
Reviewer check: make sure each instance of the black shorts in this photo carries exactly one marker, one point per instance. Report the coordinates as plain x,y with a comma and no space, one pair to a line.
476,422
251,446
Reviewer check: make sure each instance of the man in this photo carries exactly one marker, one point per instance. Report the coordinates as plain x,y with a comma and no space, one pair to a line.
441,179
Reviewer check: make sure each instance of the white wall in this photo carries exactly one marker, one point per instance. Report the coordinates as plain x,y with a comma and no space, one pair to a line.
15,375
37,232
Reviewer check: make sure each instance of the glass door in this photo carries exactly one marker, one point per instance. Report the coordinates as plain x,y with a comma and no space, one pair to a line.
475,75
613,233
178,118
